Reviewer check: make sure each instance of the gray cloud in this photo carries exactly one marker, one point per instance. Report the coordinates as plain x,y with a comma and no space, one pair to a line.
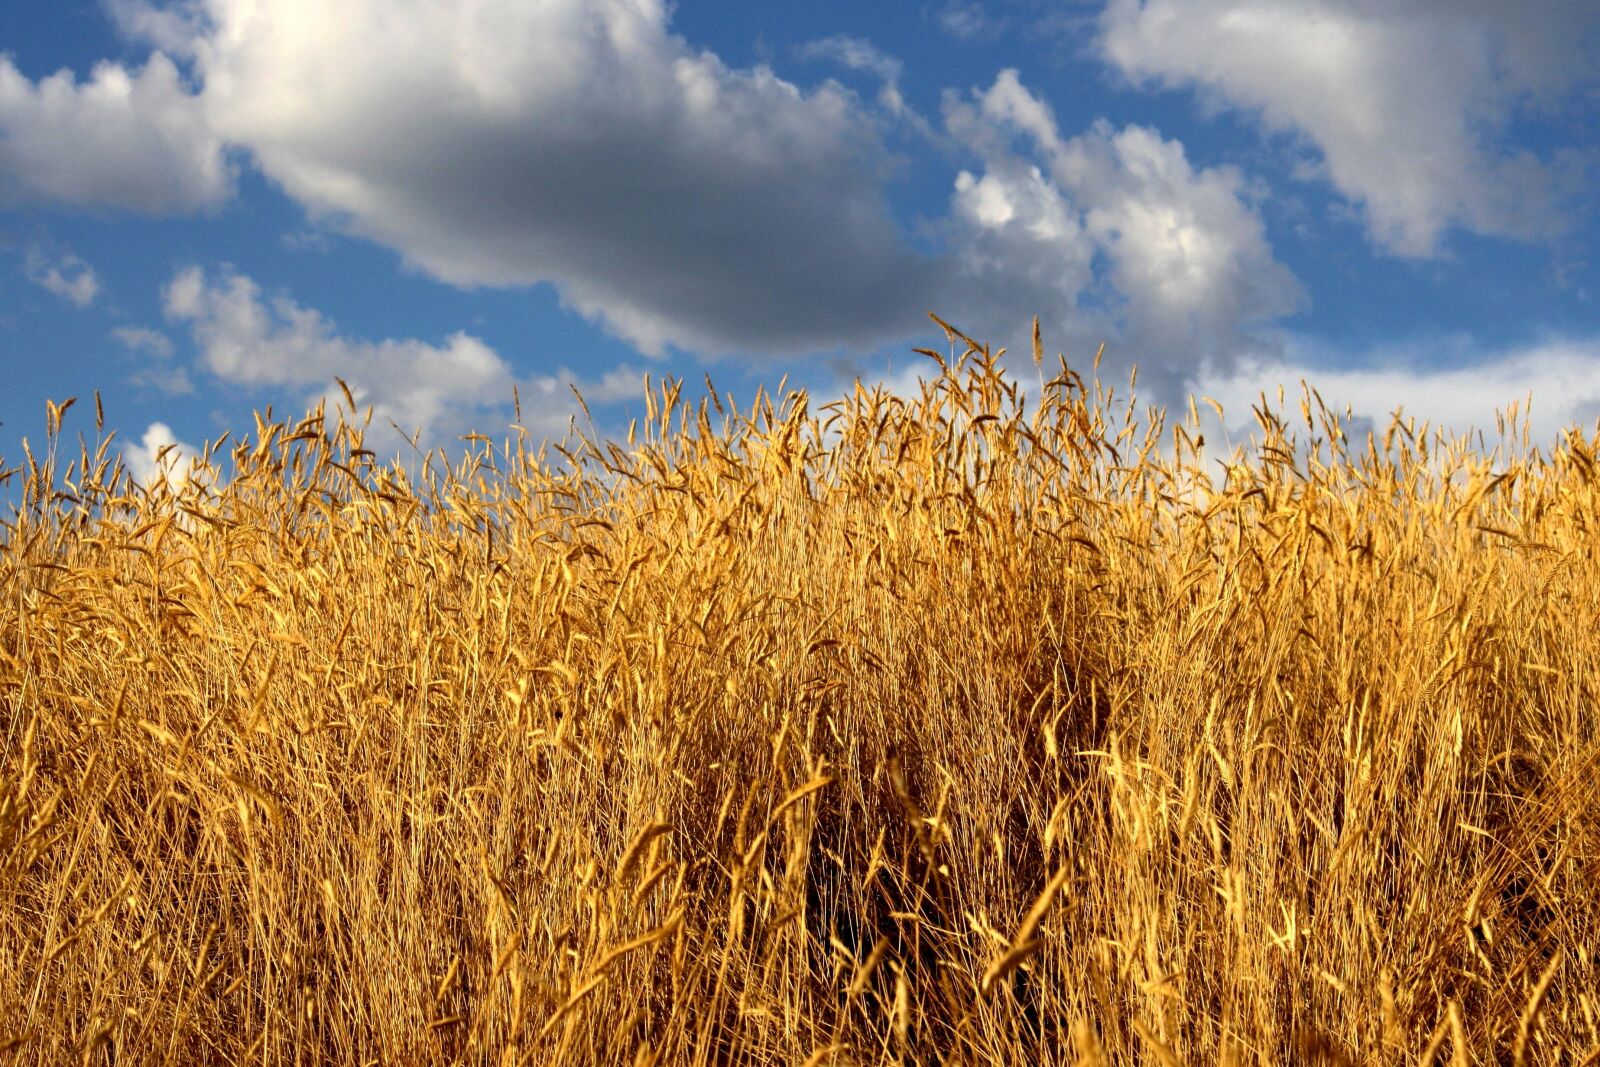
578,142
682,203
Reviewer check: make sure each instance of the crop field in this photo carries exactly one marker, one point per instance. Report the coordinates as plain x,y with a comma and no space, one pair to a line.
979,726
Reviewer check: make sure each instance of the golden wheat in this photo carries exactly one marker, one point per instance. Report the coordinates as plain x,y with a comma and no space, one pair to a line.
965,727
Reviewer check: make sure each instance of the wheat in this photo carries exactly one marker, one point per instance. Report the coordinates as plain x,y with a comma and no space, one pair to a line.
749,738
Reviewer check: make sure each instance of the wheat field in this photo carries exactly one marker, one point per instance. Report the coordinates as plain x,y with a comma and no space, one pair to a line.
978,726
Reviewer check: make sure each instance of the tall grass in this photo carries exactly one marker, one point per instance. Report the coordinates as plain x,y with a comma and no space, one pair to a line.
961,728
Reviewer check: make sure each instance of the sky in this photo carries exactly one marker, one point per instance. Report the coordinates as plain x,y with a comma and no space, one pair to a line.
209,207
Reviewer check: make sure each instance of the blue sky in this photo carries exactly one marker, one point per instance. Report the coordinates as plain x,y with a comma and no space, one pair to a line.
210,206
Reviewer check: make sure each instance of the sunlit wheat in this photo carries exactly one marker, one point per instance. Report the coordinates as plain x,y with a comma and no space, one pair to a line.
959,728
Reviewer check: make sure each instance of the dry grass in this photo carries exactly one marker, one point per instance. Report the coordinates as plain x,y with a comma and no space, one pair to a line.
927,731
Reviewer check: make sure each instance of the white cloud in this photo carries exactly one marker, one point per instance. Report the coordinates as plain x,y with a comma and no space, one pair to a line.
1189,255
1112,235
161,457
307,239
175,28
66,275
578,142
862,55
157,369
136,141
1452,385
968,20
855,53
140,339
1402,103
458,386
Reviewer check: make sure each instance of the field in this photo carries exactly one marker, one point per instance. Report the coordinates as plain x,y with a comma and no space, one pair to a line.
965,728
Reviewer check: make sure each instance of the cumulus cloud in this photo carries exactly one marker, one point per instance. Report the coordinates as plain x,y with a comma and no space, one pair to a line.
686,204
578,142
1188,279
460,385
66,275
1401,104
161,457
131,140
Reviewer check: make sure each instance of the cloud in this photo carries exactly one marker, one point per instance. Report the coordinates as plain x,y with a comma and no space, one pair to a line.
457,386
859,54
855,53
1112,235
1451,384
175,28
676,200
157,369
133,141
307,239
161,457
67,276
685,204
968,20
142,340
1402,104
